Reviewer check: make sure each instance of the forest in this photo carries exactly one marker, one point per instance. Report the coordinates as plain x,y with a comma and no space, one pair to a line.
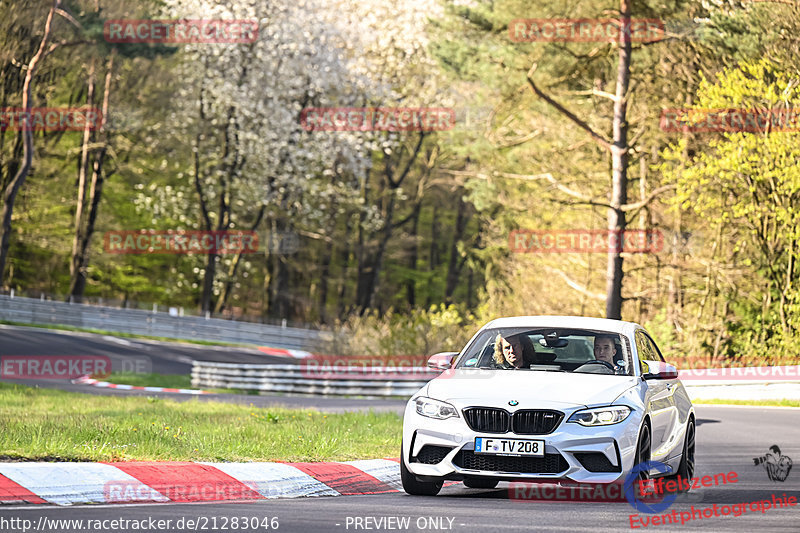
666,127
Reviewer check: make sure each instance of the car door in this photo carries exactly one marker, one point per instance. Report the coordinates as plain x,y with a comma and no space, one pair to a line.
679,410
660,403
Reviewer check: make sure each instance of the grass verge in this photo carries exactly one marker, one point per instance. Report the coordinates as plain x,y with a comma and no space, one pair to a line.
54,425
767,403
173,381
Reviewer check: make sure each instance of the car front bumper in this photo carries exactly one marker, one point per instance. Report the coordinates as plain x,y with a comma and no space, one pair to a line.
444,449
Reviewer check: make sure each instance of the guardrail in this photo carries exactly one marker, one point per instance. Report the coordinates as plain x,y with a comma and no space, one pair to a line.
301,379
317,378
157,324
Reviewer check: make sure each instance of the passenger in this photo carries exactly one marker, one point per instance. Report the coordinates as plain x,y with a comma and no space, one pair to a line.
516,351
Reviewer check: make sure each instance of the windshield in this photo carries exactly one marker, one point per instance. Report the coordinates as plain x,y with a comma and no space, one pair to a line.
552,350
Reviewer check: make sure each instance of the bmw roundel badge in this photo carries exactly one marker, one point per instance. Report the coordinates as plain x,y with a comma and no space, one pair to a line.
512,403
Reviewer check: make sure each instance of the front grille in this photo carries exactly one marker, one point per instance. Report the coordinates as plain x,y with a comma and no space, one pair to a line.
487,419
431,455
551,463
522,422
535,421
595,462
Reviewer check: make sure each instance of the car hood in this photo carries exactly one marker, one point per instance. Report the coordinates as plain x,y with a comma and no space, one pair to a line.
530,388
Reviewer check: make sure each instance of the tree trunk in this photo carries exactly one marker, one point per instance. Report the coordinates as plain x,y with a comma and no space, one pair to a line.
413,256
371,282
361,246
77,277
343,306
231,164
11,190
619,169
454,265
227,288
279,278
370,270
84,233
433,256
325,270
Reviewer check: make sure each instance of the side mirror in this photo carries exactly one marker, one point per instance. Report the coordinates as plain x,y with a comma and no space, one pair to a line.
658,370
442,361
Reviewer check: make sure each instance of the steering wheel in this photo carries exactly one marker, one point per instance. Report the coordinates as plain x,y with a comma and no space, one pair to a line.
599,362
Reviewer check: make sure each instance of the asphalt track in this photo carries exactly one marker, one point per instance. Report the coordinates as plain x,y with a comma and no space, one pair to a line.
162,358
728,438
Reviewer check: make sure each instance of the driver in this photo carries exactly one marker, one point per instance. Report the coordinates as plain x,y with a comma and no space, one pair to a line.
605,350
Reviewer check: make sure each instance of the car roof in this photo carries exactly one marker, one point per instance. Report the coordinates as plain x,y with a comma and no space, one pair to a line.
576,322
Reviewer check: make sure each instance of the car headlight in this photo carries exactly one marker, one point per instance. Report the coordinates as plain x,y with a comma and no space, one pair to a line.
435,409
601,416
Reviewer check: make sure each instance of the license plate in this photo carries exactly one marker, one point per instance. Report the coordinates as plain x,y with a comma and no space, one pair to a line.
495,446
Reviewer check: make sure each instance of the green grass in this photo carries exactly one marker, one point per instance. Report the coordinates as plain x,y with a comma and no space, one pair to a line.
173,381
53,425
769,403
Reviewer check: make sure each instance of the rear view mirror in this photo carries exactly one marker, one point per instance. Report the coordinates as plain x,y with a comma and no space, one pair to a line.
442,361
552,340
658,370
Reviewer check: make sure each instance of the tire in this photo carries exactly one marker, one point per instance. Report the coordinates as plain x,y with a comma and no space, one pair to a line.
412,485
480,483
686,467
643,451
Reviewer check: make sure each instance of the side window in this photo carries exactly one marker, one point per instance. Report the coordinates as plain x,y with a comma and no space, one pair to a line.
643,347
654,348
645,351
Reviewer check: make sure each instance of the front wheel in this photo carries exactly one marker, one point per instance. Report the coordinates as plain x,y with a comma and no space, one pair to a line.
686,468
412,485
643,453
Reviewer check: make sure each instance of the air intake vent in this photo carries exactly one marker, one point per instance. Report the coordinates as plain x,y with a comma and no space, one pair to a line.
431,455
551,463
595,462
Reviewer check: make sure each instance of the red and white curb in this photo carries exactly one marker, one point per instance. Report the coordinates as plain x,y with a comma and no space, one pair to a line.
297,354
182,482
86,380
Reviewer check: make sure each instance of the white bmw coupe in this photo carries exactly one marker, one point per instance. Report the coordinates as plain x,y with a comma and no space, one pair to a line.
548,398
